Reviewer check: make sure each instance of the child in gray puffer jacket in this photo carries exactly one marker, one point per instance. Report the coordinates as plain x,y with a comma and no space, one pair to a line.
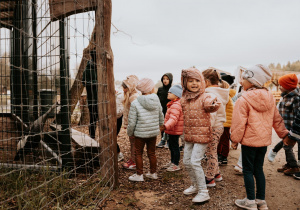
144,121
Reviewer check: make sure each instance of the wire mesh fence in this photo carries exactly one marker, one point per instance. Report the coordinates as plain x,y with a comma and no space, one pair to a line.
56,103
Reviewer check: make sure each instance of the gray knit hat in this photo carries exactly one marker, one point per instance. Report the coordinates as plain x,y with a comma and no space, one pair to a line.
176,90
258,75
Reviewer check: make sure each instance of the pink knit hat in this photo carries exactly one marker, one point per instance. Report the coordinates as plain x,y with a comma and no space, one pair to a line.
298,76
145,85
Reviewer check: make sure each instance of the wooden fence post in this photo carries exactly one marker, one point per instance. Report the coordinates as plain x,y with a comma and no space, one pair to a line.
106,93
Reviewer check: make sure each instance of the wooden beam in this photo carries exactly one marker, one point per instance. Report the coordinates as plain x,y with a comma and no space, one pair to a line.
63,8
77,87
106,94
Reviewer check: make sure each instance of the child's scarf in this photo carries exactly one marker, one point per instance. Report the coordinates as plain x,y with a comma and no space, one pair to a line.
171,102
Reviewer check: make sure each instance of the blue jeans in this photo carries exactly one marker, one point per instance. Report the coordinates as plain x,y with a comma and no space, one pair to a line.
174,148
253,161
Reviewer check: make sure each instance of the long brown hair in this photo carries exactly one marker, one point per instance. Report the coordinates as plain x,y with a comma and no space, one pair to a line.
213,76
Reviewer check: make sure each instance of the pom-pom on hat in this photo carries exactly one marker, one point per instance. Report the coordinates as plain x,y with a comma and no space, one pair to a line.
176,90
288,82
145,85
258,75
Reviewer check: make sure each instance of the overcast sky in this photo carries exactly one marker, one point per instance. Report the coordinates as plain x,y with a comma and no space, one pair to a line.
169,35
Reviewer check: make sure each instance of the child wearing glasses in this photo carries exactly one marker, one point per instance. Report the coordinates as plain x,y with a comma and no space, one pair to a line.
254,115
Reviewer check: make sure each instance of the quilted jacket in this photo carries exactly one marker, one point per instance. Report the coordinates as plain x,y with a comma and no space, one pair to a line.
254,115
219,117
174,119
196,109
145,117
229,108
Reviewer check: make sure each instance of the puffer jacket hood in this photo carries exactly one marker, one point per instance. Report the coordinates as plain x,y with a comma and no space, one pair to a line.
253,117
149,102
261,101
170,76
131,82
221,93
195,74
219,117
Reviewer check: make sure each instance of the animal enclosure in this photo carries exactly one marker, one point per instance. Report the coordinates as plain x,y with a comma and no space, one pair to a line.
58,142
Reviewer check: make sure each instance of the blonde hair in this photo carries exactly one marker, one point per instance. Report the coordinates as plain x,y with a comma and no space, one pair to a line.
224,84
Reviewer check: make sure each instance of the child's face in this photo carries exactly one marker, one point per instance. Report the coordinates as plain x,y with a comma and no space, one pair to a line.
193,85
171,96
166,80
125,89
246,84
282,89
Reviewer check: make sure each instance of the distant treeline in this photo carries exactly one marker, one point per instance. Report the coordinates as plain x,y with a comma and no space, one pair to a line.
294,66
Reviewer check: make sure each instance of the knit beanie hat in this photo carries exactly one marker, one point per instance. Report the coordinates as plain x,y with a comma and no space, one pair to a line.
258,75
298,76
145,85
228,78
288,82
176,90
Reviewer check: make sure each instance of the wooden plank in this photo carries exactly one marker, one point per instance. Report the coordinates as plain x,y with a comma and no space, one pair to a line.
79,138
63,8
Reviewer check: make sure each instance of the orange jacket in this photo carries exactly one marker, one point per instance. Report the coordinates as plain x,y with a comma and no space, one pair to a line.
174,119
254,115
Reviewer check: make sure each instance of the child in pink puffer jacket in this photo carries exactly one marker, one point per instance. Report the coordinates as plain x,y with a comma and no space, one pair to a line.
174,126
254,115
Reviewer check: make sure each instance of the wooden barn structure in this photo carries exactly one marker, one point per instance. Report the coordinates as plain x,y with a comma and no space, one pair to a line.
36,124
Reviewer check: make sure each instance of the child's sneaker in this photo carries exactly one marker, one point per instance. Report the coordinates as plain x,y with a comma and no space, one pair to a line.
181,148
261,204
120,156
202,196
218,177
291,171
246,204
222,160
136,178
129,165
167,165
191,190
296,175
238,169
271,155
161,144
210,183
151,176
173,167
283,168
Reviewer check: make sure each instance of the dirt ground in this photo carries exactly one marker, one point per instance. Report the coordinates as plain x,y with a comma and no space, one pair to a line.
282,192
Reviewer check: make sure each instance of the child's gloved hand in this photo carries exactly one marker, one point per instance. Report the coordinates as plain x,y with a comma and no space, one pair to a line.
234,145
162,128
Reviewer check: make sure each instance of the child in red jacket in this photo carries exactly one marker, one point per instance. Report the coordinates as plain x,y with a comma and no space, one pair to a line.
174,126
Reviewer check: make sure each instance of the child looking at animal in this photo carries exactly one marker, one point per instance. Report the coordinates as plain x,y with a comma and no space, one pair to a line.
144,120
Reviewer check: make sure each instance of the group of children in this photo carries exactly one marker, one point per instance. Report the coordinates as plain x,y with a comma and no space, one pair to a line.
202,110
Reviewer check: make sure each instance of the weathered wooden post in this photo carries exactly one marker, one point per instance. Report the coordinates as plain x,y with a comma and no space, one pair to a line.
106,93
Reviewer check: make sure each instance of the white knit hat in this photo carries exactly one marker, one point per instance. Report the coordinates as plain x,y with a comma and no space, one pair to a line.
258,75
